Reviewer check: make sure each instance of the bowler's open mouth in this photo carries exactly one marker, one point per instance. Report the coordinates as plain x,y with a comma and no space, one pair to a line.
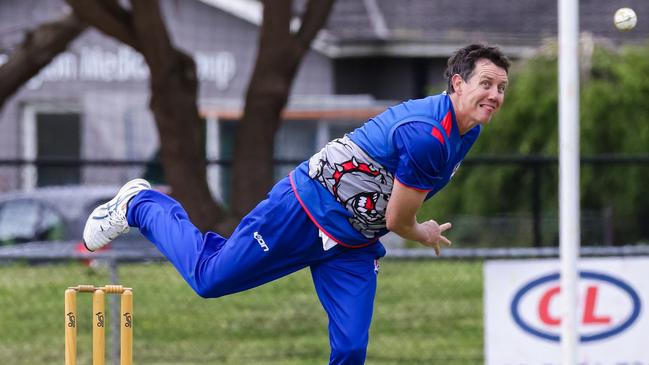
489,107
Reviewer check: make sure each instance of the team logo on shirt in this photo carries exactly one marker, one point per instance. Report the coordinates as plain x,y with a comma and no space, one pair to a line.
358,182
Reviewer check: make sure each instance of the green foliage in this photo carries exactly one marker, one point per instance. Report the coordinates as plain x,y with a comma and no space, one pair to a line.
614,120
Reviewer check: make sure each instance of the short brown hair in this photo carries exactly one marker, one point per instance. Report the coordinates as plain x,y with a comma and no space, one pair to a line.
463,62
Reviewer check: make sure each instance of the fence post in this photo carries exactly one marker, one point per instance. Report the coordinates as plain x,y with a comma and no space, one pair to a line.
607,226
536,205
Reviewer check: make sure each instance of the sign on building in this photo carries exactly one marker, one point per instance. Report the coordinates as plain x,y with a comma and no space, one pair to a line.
523,313
124,64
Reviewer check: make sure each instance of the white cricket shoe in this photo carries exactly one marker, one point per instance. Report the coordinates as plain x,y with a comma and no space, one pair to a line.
108,220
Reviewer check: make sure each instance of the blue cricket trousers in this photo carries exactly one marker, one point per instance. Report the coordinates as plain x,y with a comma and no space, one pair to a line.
275,239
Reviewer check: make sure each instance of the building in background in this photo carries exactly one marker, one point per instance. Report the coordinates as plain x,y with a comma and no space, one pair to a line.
92,101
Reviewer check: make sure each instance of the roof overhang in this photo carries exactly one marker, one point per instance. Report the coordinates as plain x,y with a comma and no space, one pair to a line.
248,10
410,49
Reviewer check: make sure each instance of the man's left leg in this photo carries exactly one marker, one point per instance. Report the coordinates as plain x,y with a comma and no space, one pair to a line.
346,286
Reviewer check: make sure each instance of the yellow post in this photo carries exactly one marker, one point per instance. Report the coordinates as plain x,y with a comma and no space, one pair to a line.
70,327
126,333
98,327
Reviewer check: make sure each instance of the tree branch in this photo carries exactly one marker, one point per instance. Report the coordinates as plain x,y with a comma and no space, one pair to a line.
37,50
276,21
150,29
278,58
313,20
109,17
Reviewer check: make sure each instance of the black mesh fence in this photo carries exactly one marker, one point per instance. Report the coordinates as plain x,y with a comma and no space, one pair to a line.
613,211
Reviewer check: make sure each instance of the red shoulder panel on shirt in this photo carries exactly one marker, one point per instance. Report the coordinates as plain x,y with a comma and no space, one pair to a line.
447,123
437,134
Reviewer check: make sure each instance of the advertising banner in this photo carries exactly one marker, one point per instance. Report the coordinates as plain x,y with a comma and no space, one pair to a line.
522,312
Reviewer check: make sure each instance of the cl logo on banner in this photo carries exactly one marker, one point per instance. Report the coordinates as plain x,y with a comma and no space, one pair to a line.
535,307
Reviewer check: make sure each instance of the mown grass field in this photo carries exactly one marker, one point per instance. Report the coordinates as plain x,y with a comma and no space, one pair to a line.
426,312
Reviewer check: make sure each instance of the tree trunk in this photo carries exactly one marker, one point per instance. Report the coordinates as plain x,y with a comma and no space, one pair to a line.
174,89
279,55
37,50
182,140
173,101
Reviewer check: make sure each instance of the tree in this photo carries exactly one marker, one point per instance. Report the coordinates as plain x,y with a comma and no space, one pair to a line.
279,55
173,99
174,87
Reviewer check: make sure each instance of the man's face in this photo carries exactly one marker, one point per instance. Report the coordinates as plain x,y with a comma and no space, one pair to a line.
483,94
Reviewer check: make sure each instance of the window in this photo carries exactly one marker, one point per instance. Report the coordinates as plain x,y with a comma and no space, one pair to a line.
58,136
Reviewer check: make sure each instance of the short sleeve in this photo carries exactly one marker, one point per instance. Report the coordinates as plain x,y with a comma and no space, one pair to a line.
421,155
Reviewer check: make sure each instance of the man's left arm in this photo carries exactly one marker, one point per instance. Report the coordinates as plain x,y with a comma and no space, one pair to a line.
401,218
421,157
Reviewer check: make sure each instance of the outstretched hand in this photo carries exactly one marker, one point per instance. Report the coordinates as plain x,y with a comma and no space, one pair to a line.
432,231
